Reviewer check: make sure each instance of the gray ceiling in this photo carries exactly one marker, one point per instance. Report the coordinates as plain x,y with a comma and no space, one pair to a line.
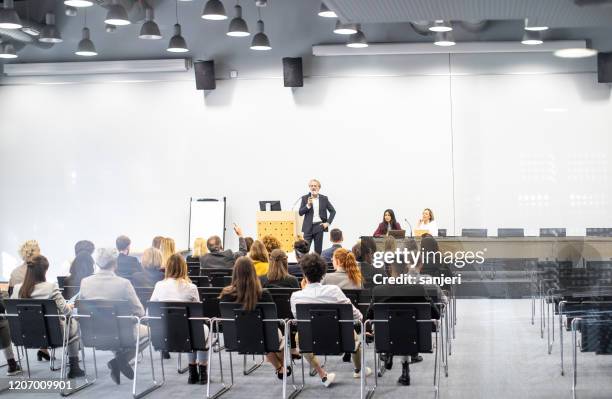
293,27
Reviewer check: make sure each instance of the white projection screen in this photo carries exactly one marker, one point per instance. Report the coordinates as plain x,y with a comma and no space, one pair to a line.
206,218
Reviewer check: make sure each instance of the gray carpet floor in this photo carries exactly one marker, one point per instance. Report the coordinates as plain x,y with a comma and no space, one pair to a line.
497,353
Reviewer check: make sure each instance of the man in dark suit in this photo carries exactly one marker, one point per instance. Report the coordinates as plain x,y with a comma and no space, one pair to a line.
126,264
314,208
335,236
217,258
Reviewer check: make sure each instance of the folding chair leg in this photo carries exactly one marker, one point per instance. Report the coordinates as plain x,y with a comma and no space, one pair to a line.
574,357
179,368
82,386
224,387
370,390
287,360
561,338
253,367
155,384
52,361
27,362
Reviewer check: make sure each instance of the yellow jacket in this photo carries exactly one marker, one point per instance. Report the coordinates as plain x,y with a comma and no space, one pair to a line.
261,268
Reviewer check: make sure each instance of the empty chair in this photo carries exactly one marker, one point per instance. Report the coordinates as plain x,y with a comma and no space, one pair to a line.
473,232
216,277
553,232
599,231
505,232
441,232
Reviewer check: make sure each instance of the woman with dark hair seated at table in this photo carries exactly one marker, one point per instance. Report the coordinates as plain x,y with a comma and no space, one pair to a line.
388,223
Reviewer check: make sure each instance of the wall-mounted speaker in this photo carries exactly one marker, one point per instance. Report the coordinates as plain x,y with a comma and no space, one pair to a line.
292,72
205,75
604,67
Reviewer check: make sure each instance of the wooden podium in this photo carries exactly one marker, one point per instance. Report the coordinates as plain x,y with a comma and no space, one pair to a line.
281,224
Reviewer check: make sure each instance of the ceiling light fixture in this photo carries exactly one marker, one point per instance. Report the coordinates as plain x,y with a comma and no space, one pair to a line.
260,40
49,32
71,11
532,24
440,25
7,51
177,42
345,29
117,15
8,16
357,40
78,3
444,39
577,52
214,11
86,47
532,38
325,12
149,30
238,26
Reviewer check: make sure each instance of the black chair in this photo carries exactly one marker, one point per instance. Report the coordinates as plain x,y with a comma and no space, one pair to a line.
216,276
477,233
599,231
61,281
441,232
144,293
505,232
37,323
193,269
282,297
255,332
110,326
404,329
553,232
200,281
69,291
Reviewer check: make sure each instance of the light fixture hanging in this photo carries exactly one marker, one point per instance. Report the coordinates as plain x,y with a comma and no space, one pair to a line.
117,15
7,51
177,42
49,33
86,47
579,52
532,24
110,28
444,39
214,11
441,25
345,29
238,26
71,11
149,30
78,3
357,40
8,16
325,12
532,38
260,40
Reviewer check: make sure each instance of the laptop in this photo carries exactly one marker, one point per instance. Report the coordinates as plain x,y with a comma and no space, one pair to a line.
397,233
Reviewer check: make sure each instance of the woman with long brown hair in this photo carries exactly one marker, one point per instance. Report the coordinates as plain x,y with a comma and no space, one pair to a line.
35,286
259,256
246,290
278,275
347,274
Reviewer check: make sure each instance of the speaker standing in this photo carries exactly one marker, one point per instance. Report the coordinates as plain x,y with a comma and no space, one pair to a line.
315,207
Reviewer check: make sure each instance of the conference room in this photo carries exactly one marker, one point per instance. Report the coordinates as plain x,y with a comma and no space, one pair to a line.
306,198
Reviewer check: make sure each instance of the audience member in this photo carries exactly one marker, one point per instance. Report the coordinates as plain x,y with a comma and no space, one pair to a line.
271,243
126,264
335,236
168,248
259,256
249,242
347,274
35,286
7,347
106,285
218,258
28,250
278,275
177,287
157,242
83,264
199,250
364,254
300,249
152,273
247,291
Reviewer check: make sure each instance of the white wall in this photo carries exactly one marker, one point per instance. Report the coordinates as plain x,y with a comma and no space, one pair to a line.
102,157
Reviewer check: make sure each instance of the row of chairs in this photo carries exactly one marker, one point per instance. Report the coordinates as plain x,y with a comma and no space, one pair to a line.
323,329
544,232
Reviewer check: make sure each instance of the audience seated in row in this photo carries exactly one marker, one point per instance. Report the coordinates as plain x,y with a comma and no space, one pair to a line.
199,250
168,248
28,250
335,236
301,249
278,275
364,252
126,265
347,274
83,264
259,256
152,264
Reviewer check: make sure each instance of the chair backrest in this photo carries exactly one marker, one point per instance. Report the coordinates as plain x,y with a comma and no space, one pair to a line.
599,231
441,232
36,324
473,232
282,297
216,276
61,281
176,330
248,332
144,293
553,232
193,269
101,326
359,296
505,232
325,328
209,296
200,281
402,333
70,291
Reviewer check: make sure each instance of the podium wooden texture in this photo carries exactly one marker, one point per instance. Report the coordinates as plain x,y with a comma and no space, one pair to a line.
281,224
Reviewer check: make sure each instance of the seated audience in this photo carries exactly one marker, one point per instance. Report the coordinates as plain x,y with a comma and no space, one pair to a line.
246,290
126,264
314,269
335,236
83,264
199,250
271,243
218,258
364,253
249,242
157,242
152,273
347,274
300,249
259,256
7,347
278,275
35,286
28,250
168,248
388,223
106,285
177,287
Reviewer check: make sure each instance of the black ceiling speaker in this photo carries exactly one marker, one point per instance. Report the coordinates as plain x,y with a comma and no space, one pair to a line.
292,72
205,75
604,67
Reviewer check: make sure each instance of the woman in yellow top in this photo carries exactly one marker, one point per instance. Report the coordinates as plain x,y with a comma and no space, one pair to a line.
259,256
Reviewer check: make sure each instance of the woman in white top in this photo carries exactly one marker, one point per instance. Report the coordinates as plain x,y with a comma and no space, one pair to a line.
428,223
176,287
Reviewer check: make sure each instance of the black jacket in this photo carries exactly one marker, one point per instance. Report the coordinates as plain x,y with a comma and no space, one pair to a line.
324,207
287,282
223,259
127,266
147,278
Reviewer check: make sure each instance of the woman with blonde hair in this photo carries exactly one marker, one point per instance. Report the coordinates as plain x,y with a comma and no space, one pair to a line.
27,251
199,250
347,274
259,256
177,287
278,275
168,248
151,262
